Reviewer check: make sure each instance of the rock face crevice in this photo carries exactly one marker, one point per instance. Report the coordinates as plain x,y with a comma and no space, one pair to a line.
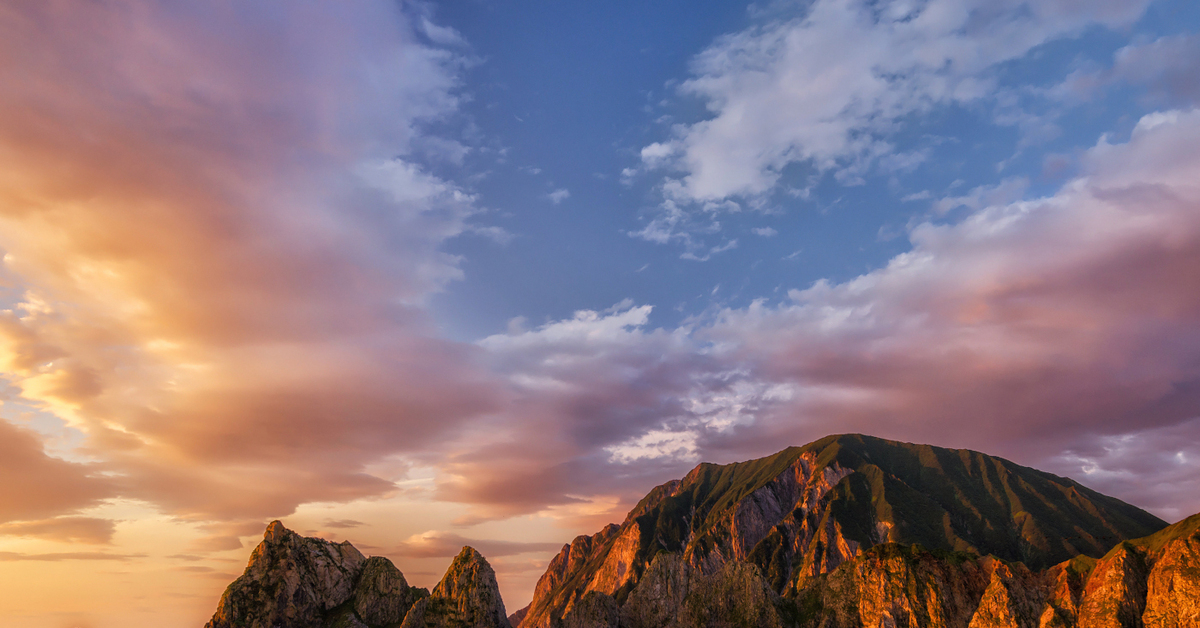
294,581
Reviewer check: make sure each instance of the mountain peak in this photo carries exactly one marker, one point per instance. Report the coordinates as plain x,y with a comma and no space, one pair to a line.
276,532
291,579
804,511
467,596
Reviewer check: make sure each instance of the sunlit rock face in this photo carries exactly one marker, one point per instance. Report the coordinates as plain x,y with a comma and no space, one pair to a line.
467,597
299,582
850,531
290,581
1151,582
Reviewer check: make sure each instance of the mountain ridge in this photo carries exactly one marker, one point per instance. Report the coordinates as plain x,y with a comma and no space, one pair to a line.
845,532
804,511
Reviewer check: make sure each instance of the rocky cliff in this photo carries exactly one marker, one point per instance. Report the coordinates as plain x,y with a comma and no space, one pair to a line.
293,581
1153,582
804,535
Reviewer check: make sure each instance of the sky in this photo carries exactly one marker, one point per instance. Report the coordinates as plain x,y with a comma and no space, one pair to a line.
421,275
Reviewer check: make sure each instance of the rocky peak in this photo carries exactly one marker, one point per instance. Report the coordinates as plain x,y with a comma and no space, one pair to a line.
292,581
467,597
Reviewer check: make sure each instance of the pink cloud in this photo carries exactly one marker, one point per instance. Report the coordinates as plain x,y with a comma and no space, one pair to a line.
66,529
221,251
34,486
1027,329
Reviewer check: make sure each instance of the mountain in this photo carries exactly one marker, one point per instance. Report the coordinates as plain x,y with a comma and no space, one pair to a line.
466,597
846,532
792,538
293,581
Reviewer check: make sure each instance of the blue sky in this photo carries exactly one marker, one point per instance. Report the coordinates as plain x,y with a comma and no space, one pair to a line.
571,94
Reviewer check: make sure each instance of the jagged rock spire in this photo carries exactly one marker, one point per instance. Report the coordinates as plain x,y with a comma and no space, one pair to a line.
467,597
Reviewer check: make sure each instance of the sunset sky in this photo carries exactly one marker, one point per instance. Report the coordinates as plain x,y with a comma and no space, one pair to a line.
421,275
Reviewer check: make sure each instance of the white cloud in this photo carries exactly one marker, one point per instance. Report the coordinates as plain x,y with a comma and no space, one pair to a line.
656,154
1169,67
627,176
559,195
765,232
1003,193
720,248
828,87
443,35
585,328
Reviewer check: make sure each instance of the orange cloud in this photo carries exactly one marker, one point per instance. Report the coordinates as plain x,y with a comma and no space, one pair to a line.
220,261
34,485
67,529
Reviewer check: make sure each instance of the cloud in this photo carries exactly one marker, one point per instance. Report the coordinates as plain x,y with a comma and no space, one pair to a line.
436,544
603,395
65,529
342,523
826,86
1024,329
221,246
707,255
1168,68
559,195
218,273
765,232
34,485
576,386
1003,193
64,556
1058,331
830,87
1122,464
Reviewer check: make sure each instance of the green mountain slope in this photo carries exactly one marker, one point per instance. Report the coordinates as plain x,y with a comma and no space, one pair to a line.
805,510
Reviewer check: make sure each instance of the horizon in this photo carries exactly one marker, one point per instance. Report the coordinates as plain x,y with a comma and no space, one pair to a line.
417,273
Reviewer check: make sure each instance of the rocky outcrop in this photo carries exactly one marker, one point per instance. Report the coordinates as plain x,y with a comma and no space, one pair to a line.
593,610
290,581
1152,582
896,586
674,594
382,596
1064,592
299,582
467,597
1115,594
1173,584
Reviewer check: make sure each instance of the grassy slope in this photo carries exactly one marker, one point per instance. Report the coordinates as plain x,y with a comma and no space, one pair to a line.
952,500
1153,543
963,500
